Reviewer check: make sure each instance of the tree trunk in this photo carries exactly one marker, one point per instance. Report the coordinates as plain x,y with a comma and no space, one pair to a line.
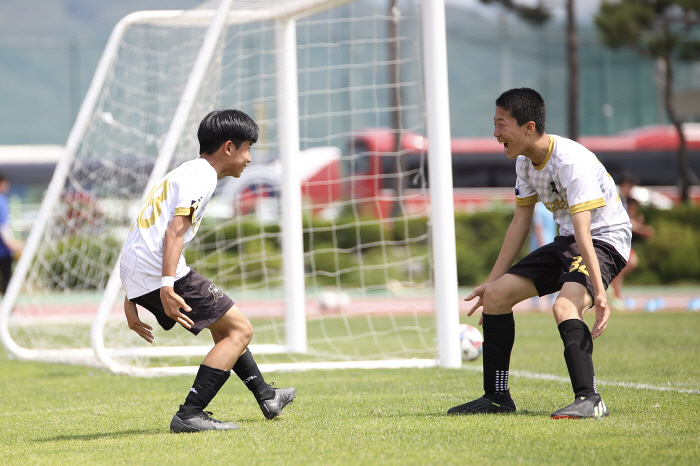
573,64
683,171
401,181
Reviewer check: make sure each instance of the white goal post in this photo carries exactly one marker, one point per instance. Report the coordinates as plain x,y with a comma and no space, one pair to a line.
315,74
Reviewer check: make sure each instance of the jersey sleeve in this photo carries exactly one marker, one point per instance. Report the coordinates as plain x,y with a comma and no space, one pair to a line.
583,191
189,189
525,193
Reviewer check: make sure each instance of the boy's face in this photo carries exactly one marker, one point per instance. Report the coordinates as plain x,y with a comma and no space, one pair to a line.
513,136
239,159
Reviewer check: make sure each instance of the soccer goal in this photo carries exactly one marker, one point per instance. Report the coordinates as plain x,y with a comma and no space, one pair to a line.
337,242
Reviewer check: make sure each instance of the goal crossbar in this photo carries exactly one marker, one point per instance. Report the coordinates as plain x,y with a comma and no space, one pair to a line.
285,15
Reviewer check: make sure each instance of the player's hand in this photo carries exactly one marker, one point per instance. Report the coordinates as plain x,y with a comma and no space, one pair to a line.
172,304
602,313
478,291
135,324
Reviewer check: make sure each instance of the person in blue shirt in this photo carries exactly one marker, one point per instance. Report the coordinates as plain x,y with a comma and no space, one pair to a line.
9,246
543,231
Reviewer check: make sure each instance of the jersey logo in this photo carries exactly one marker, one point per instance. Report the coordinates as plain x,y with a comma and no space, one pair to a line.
556,205
554,187
216,292
517,192
576,265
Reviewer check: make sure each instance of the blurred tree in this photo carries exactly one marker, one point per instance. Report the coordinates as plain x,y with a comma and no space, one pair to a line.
540,14
662,29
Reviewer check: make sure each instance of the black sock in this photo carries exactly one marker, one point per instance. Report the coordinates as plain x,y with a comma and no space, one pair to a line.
247,370
578,352
206,385
499,335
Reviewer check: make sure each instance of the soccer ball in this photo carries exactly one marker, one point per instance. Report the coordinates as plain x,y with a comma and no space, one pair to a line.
471,342
331,301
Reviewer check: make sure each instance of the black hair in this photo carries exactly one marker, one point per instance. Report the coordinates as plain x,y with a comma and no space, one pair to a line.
3,177
630,178
525,105
225,125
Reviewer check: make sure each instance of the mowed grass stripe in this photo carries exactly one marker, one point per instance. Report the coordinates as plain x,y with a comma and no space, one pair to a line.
55,414
556,378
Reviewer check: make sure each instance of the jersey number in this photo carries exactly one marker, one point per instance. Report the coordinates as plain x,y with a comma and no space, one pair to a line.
577,265
153,202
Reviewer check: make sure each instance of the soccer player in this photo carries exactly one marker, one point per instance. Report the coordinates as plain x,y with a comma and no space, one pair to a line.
592,248
155,276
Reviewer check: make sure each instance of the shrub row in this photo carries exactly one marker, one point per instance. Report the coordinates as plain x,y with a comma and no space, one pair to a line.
335,250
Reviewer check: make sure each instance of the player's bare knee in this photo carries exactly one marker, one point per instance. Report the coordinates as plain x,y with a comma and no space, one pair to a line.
246,332
563,310
494,301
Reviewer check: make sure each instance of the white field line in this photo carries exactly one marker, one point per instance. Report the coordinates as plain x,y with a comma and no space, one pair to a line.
556,378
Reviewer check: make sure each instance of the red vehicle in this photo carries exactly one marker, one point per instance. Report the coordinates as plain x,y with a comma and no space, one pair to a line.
378,173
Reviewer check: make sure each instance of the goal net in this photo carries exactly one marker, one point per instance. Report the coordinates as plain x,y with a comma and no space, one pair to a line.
326,242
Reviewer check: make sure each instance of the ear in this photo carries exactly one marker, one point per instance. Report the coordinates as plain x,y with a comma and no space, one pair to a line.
229,148
530,127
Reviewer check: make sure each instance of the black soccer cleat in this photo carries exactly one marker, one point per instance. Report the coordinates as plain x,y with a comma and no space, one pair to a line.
273,407
589,407
198,422
483,406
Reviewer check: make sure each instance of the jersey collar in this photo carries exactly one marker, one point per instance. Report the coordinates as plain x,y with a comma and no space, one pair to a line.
549,155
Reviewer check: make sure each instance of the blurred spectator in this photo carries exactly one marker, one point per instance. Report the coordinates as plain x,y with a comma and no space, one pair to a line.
543,231
9,246
639,229
625,187
544,228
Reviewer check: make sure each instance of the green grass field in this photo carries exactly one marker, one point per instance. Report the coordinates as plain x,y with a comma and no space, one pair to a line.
647,365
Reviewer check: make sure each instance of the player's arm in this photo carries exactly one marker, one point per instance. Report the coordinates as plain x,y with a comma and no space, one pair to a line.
512,243
582,234
135,323
172,249
9,240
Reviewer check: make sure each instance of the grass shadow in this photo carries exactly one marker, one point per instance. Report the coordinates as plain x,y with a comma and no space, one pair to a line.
105,435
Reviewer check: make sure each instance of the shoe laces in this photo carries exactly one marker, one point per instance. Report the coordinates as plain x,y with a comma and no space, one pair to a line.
208,416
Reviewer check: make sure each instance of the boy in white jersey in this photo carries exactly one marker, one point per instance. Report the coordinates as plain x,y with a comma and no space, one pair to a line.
155,276
592,248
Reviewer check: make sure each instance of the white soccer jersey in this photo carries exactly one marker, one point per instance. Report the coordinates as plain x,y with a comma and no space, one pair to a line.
186,189
571,179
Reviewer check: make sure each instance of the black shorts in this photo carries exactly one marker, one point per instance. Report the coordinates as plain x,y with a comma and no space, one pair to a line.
207,301
558,262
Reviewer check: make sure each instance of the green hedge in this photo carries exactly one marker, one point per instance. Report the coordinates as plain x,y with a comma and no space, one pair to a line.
354,253
672,255
78,262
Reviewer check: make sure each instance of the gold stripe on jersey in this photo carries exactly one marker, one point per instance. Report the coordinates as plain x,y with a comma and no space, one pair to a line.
588,205
183,211
549,155
529,200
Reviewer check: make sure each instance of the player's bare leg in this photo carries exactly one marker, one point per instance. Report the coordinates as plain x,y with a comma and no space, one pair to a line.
271,400
571,304
231,333
499,334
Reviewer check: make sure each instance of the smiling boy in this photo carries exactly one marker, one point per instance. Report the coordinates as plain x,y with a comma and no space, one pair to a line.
593,247
155,276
